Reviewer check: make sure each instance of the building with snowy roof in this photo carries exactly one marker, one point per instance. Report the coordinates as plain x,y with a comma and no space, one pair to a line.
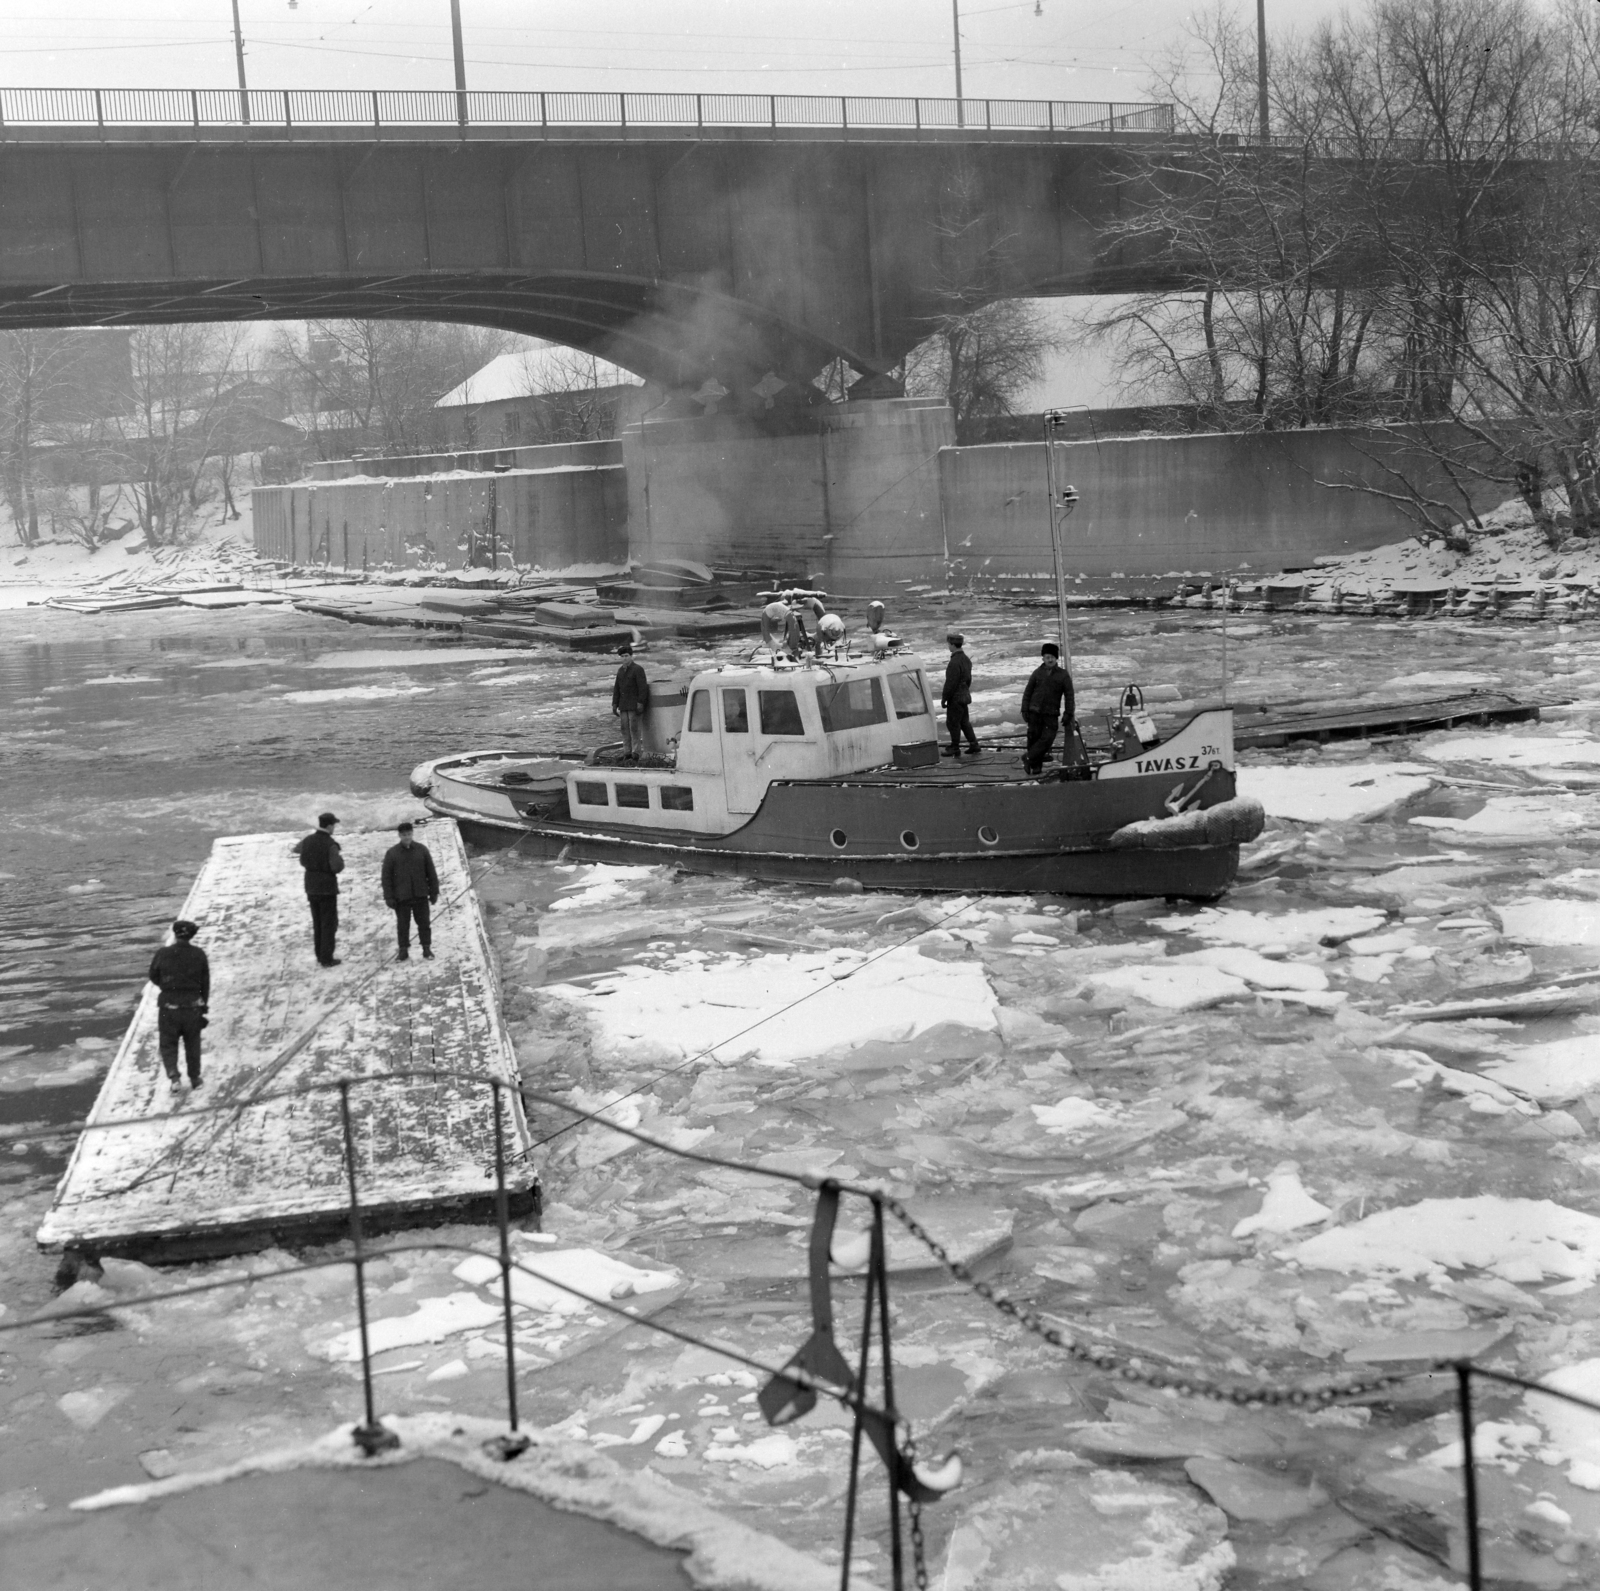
545,393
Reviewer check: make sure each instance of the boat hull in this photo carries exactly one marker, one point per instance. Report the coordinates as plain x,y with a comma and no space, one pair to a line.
1199,873
985,837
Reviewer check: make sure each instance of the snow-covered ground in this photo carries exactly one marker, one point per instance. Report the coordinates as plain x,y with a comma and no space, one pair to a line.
1508,548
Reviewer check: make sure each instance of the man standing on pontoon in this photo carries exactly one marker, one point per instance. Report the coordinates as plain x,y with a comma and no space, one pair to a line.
321,858
181,972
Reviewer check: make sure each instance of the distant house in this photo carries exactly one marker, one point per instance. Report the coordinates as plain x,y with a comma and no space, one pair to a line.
543,394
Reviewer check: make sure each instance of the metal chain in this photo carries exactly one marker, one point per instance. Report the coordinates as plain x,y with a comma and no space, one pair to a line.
919,1558
1130,1369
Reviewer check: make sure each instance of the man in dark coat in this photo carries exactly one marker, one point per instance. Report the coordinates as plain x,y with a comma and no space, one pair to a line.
1047,700
320,857
410,888
956,698
630,697
182,974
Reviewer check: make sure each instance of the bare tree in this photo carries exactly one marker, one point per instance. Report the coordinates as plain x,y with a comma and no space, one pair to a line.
165,447
372,384
575,393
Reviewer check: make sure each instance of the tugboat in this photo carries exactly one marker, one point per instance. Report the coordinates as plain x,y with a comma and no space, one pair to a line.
808,765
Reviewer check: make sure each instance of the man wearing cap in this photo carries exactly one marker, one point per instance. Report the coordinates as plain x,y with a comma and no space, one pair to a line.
630,697
320,857
957,696
182,975
410,888
1047,700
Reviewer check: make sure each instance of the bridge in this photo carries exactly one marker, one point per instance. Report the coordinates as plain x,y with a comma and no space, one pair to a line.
742,241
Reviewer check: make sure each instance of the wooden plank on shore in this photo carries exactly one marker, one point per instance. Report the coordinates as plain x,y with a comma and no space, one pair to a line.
176,1178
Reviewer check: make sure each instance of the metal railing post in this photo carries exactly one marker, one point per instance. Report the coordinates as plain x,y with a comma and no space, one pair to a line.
377,120
844,113
772,110
700,112
1469,1475
916,113
544,115
99,111
194,109
370,1437
622,112
288,119
1111,118
880,1263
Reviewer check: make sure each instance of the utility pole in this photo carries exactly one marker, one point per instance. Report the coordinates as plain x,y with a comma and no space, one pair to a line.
1261,70
961,104
461,62
238,55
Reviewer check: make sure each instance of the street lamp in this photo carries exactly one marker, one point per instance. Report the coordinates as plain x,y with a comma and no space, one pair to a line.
961,104
1261,69
1062,500
238,55
461,62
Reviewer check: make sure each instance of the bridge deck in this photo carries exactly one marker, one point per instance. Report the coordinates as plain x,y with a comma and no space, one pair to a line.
247,1160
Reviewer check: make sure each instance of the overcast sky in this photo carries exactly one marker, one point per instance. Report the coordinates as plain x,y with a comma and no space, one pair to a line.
1061,49
1021,49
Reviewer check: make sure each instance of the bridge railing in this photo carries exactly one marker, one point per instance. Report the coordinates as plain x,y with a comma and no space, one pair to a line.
401,110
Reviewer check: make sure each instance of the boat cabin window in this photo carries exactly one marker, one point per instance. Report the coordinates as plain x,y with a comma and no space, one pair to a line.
677,798
633,795
735,712
905,690
700,713
780,713
852,704
592,793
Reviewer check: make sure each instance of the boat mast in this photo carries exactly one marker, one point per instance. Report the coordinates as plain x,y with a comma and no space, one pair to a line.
1060,505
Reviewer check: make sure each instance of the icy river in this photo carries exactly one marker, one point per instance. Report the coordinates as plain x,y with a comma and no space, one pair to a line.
1221,1138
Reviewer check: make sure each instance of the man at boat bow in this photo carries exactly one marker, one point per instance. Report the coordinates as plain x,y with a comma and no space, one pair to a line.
1047,700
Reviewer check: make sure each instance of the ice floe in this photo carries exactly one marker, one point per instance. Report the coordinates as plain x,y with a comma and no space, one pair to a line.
1291,930
1555,1071
1517,1240
587,1273
353,693
729,1005
1551,922
1514,751
1512,818
1334,792
1286,1206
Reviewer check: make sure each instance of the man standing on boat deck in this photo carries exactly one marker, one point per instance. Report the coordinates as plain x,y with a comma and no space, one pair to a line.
1047,700
956,698
410,888
320,856
630,697
182,973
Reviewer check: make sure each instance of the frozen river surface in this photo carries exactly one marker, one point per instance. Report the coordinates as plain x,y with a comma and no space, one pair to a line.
1219,1138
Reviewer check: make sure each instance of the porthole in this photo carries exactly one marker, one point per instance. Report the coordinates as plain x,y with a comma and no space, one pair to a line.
908,838
988,836
840,839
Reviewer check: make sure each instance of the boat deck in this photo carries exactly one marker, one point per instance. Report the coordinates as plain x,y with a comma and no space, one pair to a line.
175,1179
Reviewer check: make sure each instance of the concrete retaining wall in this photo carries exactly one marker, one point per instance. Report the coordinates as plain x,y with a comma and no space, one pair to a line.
544,456
547,518
853,498
1154,505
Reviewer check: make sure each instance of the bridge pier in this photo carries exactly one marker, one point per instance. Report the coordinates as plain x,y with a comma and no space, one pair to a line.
848,492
